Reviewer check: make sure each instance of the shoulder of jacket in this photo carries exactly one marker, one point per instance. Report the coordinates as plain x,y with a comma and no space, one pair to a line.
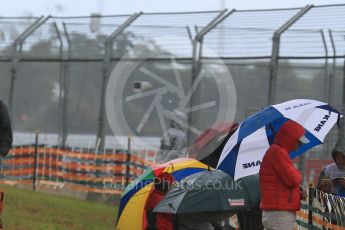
276,148
331,166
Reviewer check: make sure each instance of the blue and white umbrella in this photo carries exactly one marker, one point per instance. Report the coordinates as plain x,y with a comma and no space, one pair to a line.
243,153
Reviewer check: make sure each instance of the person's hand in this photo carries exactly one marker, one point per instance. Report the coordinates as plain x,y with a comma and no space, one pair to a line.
304,195
325,184
341,182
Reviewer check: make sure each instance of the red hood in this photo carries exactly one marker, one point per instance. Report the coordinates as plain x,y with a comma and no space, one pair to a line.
288,135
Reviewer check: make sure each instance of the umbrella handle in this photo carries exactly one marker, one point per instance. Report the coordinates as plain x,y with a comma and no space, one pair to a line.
338,121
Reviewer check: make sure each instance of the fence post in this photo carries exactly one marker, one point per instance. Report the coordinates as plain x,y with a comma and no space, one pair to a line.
343,107
15,61
196,63
310,205
106,73
62,109
326,63
19,42
332,75
35,161
189,32
128,160
66,69
275,52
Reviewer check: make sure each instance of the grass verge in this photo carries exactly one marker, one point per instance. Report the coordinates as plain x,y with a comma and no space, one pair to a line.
28,210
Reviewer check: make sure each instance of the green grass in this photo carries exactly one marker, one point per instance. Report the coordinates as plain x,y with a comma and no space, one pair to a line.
28,210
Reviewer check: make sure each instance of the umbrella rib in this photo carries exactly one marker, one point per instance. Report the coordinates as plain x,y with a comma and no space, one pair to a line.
141,193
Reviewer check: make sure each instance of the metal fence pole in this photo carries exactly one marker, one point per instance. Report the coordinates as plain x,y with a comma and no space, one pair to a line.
275,52
14,64
196,63
189,32
332,75
62,118
326,63
35,172
128,160
310,205
66,75
343,105
106,73
16,58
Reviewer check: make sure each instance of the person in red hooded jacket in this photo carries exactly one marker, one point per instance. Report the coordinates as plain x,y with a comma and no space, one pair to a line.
280,181
159,221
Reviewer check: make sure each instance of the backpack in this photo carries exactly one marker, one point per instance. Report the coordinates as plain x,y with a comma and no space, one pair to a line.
6,137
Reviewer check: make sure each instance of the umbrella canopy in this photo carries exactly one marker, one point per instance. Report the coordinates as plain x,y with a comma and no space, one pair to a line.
133,199
212,192
245,149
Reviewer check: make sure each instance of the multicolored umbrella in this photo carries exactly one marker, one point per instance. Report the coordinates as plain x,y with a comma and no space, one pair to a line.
131,209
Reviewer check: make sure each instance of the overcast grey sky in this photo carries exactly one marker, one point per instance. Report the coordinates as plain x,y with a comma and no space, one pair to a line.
85,7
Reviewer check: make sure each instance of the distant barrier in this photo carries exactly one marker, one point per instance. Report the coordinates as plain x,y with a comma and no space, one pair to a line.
108,172
312,169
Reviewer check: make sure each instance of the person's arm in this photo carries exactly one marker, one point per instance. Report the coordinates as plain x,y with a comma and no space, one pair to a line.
6,138
324,182
167,141
151,219
150,216
286,171
175,222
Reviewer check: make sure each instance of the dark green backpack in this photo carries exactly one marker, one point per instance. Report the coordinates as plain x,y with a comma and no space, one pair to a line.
6,138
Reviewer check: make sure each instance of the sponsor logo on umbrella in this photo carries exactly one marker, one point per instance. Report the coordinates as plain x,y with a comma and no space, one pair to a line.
322,123
251,164
297,106
236,202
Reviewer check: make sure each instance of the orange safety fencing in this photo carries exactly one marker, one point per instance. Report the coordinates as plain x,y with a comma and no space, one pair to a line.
108,172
